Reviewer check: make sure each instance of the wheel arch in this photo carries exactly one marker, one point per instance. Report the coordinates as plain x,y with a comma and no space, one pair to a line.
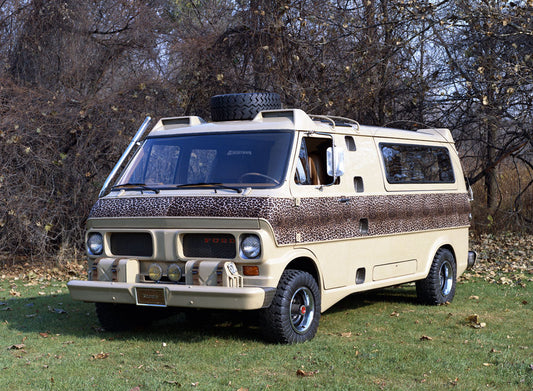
449,247
434,250
308,265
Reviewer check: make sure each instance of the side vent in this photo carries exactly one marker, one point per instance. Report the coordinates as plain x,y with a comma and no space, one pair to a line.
363,226
358,184
360,275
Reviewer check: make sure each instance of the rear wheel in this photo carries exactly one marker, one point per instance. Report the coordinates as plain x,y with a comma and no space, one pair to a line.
294,313
439,286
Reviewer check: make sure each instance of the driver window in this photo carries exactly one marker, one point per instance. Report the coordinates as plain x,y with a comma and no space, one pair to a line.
311,164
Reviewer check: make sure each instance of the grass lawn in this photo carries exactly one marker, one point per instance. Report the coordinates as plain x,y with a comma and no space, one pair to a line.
381,340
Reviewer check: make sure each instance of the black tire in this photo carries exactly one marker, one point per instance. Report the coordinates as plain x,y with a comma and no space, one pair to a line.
232,107
123,317
439,286
294,313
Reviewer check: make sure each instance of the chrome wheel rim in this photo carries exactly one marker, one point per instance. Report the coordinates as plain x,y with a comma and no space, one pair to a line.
446,278
302,310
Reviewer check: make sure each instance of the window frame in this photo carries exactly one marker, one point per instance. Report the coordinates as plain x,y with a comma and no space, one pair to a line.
126,173
416,185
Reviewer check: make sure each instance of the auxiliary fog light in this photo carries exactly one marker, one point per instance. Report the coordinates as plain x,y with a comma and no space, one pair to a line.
174,272
155,272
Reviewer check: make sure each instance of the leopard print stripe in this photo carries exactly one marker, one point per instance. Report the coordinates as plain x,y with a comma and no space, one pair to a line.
315,219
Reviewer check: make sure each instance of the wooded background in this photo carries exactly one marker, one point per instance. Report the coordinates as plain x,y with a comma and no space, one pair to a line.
77,78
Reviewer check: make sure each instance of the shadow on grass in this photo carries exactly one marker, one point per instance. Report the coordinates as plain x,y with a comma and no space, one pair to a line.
405,294
59,314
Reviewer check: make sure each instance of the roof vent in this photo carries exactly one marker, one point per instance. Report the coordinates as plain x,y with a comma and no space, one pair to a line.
178,122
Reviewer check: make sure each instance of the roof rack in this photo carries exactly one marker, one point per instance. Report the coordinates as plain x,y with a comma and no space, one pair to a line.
336,121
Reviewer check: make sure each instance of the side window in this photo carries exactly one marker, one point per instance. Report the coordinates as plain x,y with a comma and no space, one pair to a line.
301,177
311,165
416,163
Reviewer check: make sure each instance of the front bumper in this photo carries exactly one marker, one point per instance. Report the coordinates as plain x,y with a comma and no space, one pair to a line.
160,295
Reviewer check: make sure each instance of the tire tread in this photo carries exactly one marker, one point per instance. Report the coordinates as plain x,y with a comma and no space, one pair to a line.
276,327
243,106
428,290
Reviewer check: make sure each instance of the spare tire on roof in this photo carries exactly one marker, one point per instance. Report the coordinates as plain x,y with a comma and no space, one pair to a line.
230,107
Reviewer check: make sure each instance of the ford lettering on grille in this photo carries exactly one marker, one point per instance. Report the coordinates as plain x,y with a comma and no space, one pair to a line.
209,246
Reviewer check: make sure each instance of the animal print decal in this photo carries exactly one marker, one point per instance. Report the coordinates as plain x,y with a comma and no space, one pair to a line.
315,219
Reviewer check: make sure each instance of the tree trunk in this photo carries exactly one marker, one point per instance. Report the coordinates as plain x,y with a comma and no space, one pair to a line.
491,180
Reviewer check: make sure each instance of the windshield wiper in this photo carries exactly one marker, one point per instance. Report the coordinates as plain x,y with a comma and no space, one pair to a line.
208,185
135,186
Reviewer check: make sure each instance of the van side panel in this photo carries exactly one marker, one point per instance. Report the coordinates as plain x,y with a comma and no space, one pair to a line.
388,250
326,225
313,219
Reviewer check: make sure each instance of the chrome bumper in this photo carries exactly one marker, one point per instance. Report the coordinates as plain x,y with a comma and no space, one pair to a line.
160,295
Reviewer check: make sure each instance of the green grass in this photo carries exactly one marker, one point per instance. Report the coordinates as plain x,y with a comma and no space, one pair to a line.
372,341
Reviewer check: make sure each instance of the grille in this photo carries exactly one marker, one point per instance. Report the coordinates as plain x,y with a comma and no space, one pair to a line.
209,246
132,243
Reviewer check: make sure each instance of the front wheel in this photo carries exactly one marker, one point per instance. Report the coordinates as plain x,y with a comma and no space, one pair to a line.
439,286
294,313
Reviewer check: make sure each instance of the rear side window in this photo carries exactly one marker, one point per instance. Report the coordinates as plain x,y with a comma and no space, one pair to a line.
406,163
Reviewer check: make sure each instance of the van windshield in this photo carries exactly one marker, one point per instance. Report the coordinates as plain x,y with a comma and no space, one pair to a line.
219,160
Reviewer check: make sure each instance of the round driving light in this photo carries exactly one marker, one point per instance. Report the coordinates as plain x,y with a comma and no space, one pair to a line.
155,272
95,244
174,272
251,246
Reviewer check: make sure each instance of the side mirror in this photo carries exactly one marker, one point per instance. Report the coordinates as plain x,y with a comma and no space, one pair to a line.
335,161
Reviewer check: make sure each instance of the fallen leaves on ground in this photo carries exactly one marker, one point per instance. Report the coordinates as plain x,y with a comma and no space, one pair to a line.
99,356
33,271
505,259
474,322
13,292
302,373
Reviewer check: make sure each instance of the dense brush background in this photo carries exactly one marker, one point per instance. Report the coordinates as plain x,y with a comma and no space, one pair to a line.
78,78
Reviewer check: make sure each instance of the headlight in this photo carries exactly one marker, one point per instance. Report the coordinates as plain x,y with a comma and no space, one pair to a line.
155,272
250,247
174,272
95,244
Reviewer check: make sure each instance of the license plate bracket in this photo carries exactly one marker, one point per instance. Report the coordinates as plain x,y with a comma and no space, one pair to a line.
151,296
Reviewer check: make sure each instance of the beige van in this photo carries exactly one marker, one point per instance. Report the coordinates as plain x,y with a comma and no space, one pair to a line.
274,210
